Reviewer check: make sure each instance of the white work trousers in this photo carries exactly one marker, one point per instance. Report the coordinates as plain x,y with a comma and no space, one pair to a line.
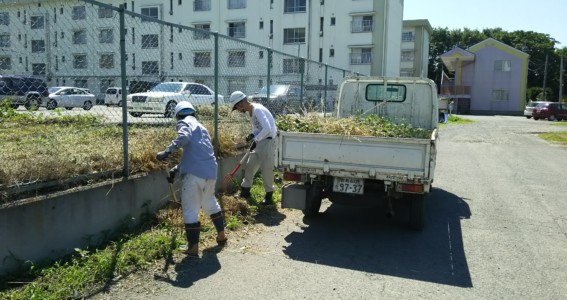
197,193
261,158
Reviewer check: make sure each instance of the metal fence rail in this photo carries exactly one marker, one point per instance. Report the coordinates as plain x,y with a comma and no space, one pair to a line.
126,71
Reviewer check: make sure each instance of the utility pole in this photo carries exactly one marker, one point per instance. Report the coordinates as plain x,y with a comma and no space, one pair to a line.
544,79
561,79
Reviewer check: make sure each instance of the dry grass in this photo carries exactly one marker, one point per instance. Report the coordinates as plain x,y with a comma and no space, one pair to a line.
371,125
37,149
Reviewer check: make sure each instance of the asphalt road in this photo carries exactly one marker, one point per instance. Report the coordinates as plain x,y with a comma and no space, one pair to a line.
496,229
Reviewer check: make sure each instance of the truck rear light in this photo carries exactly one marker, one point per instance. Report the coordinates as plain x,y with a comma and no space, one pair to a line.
411,188
292,176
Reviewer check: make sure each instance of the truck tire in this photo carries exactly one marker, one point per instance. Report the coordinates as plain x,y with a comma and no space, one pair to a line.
313,204
416,211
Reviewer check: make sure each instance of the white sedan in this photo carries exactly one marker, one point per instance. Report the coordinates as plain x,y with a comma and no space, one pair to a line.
69,97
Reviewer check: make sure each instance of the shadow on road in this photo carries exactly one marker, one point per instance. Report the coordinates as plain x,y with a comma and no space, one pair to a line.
191,270
365,240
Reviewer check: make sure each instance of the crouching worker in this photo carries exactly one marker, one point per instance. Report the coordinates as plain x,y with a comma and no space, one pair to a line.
198,172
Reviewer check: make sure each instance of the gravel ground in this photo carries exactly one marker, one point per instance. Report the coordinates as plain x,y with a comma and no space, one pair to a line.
496,229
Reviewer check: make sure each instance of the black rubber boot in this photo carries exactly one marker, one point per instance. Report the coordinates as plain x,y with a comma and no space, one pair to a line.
218,221
268,199
192,230
244,193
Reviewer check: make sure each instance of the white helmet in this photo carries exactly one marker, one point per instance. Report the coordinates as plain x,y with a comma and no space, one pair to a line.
184,108
236,97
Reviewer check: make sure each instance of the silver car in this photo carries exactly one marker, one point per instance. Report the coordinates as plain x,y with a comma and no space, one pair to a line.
69,97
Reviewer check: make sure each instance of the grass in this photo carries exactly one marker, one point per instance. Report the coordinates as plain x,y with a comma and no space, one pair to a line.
555,137
136,249
456,120
37,148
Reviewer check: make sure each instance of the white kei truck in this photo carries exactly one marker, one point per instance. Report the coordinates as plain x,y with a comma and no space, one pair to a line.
366,170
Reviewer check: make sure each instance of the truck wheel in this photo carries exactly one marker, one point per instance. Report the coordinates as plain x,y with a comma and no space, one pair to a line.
32,103
313,202
416,211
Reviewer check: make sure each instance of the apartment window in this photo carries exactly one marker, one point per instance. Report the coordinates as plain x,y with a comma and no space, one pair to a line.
82,83
37,46
106,61
236,4
56,63
4,18
294,35
261,25
5,41
500,95
237,29
407,55
198,35
408,37
37,22
333,21
79,13
331,52
38,69
79,61
406,72
361,24
361,56
105,12
150,68
502,66
293,6
105,84
202,5
236,59
320,54
150,41
150,12
106,36
293,66
5,63
80,37
261,54
236,84
202,59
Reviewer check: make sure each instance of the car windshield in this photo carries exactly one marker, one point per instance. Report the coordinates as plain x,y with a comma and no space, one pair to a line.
274,90
54,89
170,87
542,104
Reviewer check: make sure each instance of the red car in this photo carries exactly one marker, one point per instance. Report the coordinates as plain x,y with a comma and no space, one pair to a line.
551,111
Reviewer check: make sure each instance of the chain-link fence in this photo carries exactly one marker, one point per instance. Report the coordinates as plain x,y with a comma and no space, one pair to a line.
88,89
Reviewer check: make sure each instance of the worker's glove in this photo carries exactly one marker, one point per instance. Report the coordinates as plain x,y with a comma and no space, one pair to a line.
249,137
172,172
162,155
253,145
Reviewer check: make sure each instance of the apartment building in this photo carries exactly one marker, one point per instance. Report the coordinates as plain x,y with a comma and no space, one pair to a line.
415,48
72,42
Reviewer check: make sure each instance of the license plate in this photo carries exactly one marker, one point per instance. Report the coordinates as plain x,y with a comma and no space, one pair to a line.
348,185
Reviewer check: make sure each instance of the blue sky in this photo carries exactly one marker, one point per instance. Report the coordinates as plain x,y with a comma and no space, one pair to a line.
545,16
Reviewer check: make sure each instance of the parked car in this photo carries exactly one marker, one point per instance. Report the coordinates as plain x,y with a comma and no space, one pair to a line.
21,90
113,96
530,107
162,98
551,111
284,98
69,97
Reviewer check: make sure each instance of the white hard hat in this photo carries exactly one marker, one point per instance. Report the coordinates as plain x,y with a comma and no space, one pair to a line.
184,108
236,97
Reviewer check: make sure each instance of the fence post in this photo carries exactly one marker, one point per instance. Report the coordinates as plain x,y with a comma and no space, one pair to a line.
269,71
216,134
325,93
301,63
126,169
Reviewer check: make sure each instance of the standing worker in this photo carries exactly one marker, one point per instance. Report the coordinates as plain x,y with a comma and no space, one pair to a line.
198,172
262,148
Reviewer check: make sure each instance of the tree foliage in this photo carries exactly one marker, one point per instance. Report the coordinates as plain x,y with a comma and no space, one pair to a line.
536,45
